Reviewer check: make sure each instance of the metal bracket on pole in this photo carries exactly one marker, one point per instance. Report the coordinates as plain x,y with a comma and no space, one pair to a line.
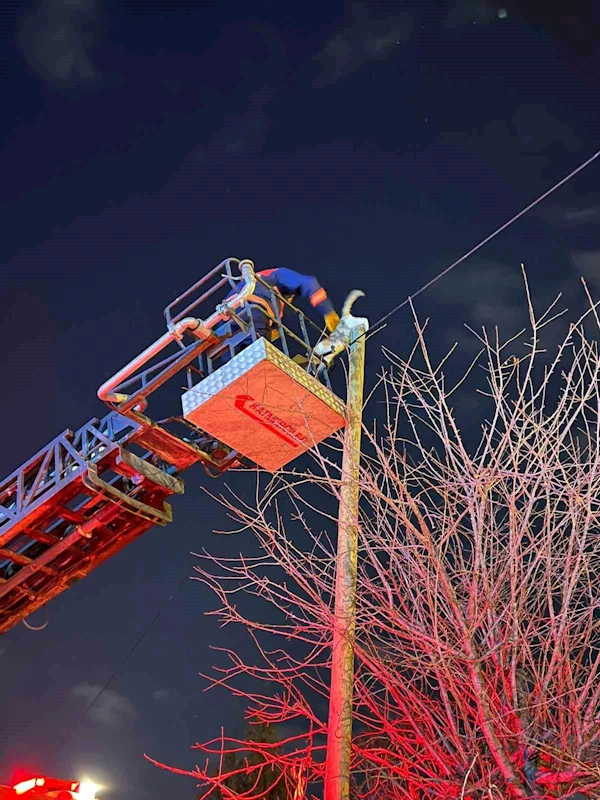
331,346
339,731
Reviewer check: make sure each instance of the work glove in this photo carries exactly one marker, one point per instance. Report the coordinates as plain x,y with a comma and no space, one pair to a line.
331,321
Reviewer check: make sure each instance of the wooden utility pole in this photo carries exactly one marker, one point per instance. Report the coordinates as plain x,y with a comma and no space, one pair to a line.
339,736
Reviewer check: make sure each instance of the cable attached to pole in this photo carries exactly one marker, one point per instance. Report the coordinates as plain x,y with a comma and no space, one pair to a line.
488,238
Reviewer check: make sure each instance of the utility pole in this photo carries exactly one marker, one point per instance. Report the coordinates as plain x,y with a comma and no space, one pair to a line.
339,731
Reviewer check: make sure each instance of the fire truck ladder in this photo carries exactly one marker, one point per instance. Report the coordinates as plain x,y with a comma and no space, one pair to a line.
79,500
89,493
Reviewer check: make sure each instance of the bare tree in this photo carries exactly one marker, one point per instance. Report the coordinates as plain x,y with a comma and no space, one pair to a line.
478,618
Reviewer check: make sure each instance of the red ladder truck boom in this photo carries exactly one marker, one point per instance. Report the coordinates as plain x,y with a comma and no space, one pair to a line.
90,492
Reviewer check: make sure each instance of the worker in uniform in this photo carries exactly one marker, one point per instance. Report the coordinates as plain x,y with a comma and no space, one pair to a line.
288,285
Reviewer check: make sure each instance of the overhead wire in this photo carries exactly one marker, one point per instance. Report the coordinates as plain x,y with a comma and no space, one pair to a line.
487,239
124,660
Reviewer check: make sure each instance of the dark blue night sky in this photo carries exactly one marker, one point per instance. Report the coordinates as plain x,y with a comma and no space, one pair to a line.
370,144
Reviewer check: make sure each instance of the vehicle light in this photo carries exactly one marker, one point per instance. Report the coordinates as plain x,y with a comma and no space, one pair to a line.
27,786
87,790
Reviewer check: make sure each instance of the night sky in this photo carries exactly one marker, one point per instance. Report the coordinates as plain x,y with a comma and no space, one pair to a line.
143,142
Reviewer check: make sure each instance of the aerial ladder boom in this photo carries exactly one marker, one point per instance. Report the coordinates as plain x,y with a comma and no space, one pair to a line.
247,402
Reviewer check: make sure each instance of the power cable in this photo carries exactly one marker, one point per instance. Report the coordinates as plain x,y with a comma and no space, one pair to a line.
131,651
487,239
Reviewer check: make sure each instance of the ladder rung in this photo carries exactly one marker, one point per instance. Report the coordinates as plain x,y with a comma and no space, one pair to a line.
42,537
49,571
69,515
23,561
27,592
17,558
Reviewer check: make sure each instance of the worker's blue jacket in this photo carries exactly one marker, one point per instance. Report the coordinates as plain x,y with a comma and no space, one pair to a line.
290,284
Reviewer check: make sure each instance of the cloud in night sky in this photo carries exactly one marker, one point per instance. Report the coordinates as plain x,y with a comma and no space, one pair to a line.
243,132
571,217
248,131
161,694
2,651
538,128
587,264
467,12
522,146
56,38
360,41
488,294
111,708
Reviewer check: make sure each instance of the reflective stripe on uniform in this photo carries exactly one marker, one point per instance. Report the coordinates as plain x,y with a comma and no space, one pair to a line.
318,297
